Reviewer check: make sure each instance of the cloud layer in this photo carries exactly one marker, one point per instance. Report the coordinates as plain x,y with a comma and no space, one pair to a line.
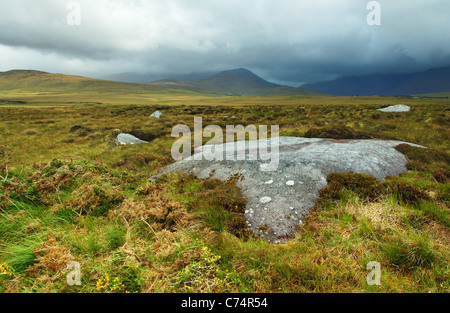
290,41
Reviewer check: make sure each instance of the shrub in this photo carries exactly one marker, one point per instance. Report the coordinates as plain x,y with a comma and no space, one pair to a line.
337,132
142,135
4,159
50,257
139,160
363,185
224,195
157,210
421,158
405,192
441,175
93,199
108,285
205,274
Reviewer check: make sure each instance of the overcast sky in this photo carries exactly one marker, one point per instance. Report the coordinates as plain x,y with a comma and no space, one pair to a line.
285,41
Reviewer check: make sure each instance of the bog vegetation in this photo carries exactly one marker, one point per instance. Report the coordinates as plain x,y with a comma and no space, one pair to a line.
68,194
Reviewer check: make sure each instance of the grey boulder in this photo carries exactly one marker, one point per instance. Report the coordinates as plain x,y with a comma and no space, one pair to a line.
156,114
279,200
127,139
396,108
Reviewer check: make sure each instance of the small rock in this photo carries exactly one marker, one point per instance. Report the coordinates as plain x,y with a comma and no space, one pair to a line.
265,199
157,114
127,139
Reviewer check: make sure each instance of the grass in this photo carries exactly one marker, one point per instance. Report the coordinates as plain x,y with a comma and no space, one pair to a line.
68,194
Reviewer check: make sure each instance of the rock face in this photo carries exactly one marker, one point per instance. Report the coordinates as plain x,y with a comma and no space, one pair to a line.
396,108
157,114
279,200
127,139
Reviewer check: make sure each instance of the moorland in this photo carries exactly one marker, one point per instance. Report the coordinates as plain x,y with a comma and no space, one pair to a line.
67,193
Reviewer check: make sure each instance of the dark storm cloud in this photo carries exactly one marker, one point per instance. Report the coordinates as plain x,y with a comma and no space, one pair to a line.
290,41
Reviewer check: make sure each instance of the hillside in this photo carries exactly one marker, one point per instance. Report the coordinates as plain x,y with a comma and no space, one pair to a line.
41,88
37,81
23,84
236,82
137,78
431,81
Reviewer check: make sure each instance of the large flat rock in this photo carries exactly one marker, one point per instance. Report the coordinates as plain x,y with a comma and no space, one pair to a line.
279,200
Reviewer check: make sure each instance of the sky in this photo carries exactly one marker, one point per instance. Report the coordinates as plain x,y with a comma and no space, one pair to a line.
284,41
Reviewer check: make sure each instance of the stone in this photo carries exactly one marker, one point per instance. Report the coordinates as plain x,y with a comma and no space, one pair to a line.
396,108
127,139
156,114
278,201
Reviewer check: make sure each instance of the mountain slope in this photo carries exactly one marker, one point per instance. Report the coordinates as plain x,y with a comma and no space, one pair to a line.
240,81
236,82
150,77
29,81
431,81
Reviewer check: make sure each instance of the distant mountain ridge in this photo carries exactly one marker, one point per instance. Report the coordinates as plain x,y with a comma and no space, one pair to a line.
436,80
233,83
137,78
45,83
236,82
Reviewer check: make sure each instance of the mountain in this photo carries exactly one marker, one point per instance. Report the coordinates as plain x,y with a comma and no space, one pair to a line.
233,83
435,80
145,78
236,82
32,83
37,80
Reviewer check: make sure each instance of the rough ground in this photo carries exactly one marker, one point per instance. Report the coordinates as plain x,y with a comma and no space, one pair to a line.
278,201
396,108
